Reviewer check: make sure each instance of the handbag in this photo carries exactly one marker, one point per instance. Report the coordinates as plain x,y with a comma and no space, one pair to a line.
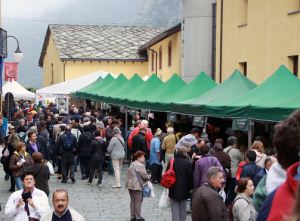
169,178
145,188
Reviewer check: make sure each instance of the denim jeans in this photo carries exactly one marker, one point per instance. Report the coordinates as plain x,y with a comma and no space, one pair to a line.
18,182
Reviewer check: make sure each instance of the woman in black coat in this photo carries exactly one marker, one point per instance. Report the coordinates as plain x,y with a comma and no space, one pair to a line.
180,192
41,172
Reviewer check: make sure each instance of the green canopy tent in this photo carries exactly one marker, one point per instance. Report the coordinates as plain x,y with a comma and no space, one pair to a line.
201,84
135,92
273,100
93,86
236,85
106,89
152,98
132,83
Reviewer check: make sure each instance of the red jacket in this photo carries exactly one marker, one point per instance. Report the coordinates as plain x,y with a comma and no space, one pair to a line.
135,131
284,199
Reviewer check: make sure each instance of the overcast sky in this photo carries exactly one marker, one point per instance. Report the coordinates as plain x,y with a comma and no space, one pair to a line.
28,20
31,8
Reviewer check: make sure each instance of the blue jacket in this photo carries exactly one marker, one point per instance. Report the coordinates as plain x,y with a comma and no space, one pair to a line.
250,170
259,176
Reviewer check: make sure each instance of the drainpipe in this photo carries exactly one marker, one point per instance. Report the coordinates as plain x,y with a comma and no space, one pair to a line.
64,74
221,43
213,57
150,49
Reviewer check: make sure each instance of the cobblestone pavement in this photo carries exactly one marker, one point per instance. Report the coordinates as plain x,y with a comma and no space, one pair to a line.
99,205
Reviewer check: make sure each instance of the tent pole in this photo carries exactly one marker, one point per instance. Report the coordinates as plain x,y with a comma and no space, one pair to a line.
205,124
250,134
126,130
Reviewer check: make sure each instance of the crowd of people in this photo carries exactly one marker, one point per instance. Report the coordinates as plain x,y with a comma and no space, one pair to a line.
219,179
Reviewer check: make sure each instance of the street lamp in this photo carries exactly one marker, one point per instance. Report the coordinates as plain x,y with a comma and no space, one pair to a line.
18,55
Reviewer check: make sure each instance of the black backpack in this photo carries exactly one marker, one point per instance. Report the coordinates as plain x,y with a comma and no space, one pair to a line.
68,141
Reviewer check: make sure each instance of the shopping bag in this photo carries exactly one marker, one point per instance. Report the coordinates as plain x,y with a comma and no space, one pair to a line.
164,201
146,190
51,169
152,194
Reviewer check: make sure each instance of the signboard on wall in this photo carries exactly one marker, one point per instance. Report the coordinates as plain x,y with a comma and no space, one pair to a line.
144,113
198,121
171,117
240,124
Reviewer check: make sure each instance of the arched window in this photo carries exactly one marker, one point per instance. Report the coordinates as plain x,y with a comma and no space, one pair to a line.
170,54
152,61
160,57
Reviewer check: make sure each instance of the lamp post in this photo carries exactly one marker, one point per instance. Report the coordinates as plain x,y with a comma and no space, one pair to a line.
18,55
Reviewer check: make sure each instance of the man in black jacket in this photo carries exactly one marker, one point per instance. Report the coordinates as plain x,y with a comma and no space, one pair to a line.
99,147
67,148
139,142
85,151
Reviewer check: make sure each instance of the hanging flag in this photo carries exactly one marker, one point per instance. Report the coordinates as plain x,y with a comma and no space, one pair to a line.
10,71
1,68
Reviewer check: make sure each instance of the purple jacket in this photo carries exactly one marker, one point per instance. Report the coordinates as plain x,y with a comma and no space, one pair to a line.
201,168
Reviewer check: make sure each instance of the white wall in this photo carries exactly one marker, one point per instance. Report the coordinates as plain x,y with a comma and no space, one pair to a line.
196,37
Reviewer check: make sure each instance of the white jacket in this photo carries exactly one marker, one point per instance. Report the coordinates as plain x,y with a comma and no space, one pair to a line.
39,199
75,216
276,177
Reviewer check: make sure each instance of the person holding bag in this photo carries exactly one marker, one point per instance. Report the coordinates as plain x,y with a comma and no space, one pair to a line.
137,177
19,162
180,191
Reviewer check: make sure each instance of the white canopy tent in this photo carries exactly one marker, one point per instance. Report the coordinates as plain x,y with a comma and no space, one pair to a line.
17,90
69,86
60,93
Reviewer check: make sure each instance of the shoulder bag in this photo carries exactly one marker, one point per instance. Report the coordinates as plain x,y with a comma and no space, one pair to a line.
145,188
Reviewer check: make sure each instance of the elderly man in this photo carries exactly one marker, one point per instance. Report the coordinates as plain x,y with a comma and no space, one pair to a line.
207,203
62,211
136,130
29,203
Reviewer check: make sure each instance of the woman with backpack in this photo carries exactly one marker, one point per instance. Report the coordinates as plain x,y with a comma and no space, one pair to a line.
180,191
243,207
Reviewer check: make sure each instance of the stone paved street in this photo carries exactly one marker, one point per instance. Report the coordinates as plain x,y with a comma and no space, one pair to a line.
98,205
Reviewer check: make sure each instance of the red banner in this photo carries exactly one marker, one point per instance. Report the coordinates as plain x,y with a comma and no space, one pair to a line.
10,71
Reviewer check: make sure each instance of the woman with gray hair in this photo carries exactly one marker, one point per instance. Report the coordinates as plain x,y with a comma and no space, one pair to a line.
180,192
116,150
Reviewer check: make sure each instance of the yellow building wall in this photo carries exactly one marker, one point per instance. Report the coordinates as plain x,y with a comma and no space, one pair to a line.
51,57
166,71
261,33
66,70
78,68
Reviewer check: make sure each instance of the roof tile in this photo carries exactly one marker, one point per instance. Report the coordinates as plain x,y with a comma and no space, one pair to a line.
101,42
